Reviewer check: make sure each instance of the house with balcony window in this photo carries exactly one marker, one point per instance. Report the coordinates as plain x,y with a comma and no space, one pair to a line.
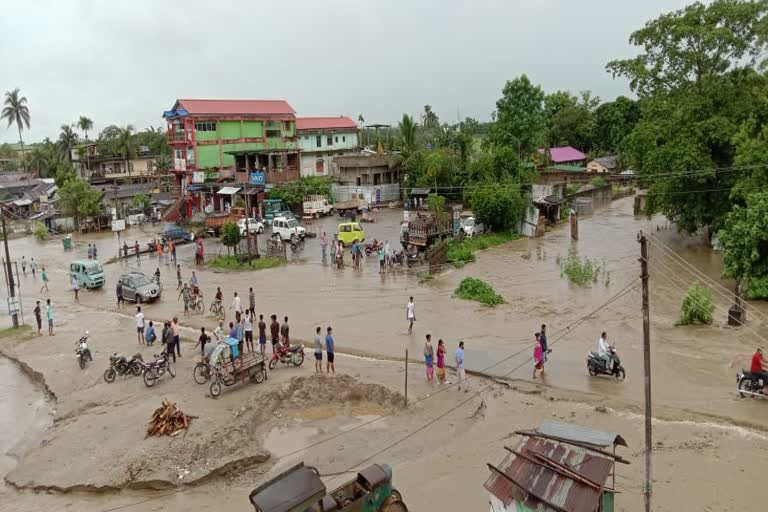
228,139
321,139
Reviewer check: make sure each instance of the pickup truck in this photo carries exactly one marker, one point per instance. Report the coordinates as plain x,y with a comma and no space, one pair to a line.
316,205
353,205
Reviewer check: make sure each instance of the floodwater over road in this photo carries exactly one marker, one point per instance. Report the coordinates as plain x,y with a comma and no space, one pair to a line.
25,415
694,367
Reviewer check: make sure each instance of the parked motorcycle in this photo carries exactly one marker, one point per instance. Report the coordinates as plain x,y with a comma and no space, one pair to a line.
596,365
157,369
750,385
82,352
413,258
287,355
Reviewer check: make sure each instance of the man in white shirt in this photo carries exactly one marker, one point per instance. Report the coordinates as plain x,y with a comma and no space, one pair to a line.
604,350
236,304
139,325
410,314
219,331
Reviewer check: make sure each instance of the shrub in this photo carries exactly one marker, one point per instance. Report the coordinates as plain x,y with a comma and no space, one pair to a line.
230,235
597,182
571,189
697,306
580,271
463,252
40,231
475,289
237,263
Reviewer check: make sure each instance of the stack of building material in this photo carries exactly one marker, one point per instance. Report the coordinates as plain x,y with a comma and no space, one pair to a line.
168,420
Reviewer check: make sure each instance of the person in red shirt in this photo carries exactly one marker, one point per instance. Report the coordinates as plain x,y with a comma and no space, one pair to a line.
757,368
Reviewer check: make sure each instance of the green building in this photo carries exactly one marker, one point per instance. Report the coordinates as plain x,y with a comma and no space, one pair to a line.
226,140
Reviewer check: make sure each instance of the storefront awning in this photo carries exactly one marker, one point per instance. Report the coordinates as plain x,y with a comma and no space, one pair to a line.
228,191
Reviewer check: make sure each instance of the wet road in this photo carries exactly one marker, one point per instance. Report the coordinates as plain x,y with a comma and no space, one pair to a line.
694,367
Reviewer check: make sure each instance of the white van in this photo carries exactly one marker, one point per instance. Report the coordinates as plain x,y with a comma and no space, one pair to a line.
287,228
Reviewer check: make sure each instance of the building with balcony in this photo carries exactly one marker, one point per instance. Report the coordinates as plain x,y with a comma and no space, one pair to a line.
99,168
323,138
214,139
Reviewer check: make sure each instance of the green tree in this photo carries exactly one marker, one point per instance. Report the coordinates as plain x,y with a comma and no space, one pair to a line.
571,120
67,141
107,141
697,86
519,118
230,236
498,205
163,162
292,194
613,121
407,129
744,238
62,173
85,124
16,111
141,201
126,144
697,306
79,199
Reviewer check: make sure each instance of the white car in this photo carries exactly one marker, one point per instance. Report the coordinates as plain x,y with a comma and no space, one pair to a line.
287,228
254,226
471,227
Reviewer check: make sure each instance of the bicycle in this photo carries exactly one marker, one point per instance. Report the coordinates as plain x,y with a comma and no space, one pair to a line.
217,309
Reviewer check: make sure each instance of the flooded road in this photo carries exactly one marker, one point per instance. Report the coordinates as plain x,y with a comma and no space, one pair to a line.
694,367
25,415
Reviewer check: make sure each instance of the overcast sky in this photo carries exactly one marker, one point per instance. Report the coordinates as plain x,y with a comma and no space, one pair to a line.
121,62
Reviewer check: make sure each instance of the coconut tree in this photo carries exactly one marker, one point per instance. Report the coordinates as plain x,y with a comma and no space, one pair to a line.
85,124
15,111
67,140
126,144
408,133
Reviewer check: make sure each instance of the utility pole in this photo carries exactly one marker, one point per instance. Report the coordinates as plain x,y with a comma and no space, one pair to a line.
11,284
646,366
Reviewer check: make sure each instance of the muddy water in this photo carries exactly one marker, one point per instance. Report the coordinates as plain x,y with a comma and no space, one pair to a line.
25,415
694,367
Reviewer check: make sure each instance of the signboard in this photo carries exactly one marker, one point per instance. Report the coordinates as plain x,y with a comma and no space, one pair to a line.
212,175
13,306
118,225
198,177
258,178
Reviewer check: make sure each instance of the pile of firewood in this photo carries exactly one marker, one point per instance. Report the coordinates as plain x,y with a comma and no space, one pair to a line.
168,420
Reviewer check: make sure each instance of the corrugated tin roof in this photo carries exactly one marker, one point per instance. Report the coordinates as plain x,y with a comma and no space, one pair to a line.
566,493
609,161
325,123
581,434
564,154
235,107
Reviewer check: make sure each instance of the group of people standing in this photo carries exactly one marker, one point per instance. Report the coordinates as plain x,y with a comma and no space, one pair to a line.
170,336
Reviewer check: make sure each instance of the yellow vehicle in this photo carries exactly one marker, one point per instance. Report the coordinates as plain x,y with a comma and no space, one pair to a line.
349,232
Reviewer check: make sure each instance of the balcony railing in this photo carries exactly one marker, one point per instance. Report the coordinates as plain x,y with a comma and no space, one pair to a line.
179,137
283,176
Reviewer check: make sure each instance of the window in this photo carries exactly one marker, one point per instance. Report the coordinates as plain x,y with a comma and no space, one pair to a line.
356,227
329,140
345,228
306,137
343,138
179,154
337,140
319,141
205,127
273,129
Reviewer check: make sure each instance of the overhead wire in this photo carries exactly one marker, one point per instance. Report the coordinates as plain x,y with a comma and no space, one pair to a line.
624,291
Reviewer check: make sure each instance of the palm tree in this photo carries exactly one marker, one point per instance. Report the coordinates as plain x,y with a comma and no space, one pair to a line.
408,132
85,124
67,140
430,118
16,111
126,144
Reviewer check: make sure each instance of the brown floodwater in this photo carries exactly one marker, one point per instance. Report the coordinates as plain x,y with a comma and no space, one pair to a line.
693,367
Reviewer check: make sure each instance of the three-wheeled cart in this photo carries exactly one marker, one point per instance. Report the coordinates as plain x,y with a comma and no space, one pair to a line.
227,366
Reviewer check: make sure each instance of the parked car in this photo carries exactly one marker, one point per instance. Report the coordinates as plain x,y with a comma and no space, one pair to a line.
254,226
316,205
470,227
287,228
89,273
174,232
139,288
349,232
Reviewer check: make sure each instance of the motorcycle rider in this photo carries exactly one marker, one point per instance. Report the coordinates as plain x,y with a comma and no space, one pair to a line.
604,351
758,368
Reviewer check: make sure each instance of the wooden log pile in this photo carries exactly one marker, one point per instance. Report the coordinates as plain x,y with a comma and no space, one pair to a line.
168,420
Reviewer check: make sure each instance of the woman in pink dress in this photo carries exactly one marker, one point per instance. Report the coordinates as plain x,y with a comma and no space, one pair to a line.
538,358
440,361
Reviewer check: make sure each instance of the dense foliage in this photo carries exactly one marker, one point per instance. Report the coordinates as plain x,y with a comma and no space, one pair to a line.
79,199
292,194
580,271
230,236
697,306
744,238
463,252
471,288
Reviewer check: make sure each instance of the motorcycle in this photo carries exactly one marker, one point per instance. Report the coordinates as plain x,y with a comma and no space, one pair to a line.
750,385
82,352
118,365
138,365
413,258
372,247
297,244
596,365
157,369
287,355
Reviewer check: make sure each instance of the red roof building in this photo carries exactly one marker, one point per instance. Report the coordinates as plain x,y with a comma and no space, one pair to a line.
239,108
323,138
325,123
